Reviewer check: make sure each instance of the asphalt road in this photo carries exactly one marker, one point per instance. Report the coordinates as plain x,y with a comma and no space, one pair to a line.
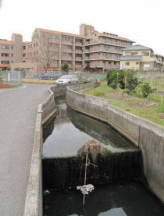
17,120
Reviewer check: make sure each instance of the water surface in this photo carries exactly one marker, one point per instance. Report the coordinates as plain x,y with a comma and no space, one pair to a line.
114,200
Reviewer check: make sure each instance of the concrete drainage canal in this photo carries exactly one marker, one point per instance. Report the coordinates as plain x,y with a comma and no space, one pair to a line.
79,150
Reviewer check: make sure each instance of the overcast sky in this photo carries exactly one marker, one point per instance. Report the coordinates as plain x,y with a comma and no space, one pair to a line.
138,20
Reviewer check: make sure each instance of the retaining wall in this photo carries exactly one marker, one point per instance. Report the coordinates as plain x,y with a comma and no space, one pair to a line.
143,133
33,201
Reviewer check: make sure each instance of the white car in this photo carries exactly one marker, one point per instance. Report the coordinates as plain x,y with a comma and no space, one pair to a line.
67,79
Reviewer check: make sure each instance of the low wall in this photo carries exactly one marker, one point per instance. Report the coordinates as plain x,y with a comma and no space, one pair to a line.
145,134
33,201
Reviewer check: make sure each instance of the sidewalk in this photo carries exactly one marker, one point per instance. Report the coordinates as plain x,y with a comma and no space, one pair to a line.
17,120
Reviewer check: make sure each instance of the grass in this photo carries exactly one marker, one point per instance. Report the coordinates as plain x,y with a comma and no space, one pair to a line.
151,108
156,82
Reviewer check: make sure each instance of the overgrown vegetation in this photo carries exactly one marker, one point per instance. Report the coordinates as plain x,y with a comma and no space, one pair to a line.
123,79
146,89
136,95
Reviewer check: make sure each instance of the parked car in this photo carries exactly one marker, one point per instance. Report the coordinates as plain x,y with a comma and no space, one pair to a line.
67,79
49,76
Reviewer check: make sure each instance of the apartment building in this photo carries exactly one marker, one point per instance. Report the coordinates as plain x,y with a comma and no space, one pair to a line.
102,51
140,57
10,51
52,48
90,50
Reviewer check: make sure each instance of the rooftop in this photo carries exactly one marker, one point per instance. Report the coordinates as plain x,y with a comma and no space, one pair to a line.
117,37
137,47
60,33
2,41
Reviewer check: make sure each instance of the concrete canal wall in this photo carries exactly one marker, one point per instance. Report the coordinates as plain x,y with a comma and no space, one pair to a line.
145,134
33,202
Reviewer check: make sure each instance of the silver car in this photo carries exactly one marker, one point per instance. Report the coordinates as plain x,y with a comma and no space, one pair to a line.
67,79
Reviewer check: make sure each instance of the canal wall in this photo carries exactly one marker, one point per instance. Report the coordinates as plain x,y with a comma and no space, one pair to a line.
33,201
148,136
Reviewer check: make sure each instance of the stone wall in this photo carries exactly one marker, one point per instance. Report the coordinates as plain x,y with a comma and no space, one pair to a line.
143,133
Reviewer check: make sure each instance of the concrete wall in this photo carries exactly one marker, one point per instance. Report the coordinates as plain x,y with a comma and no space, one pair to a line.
145,134
33,201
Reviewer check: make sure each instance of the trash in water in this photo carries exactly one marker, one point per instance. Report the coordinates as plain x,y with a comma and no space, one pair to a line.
86,189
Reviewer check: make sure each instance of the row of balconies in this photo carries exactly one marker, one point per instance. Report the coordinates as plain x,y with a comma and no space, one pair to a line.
99,57
118,44
103,51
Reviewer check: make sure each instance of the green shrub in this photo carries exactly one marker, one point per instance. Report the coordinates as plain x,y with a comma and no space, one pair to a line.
123,79
65,67
146,89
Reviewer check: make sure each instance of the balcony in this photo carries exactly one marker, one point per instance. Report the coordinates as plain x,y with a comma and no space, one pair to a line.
79,59
78,51
67,58
78,44
63,42
67,50
104,51
117,44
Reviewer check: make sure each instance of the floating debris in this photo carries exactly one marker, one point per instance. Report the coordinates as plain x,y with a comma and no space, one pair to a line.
46,192
86,189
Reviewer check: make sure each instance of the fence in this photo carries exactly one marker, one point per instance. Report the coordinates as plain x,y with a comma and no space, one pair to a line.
12,77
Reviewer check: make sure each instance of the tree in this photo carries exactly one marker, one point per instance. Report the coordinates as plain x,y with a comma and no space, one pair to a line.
123,79
115,78
44,57
65,67
146,89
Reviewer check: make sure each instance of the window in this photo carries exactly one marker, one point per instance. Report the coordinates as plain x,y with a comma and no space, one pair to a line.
2,46
4,54
134,53
5,62
146,53
78,48
67,38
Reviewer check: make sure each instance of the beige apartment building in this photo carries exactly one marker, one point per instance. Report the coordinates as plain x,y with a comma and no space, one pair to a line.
11,51
139,57
48,50
102,51
52,48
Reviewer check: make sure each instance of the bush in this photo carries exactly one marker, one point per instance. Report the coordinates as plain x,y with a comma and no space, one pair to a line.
122,79
115,78
65,67
146,89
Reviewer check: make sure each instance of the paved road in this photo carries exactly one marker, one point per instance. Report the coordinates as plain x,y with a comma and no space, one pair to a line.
17,120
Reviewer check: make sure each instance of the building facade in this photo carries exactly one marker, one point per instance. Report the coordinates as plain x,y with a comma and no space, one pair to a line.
48,50
11,51
139,57
52,48
102,51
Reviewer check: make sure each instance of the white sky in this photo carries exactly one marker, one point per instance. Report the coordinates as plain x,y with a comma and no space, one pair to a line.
138,20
